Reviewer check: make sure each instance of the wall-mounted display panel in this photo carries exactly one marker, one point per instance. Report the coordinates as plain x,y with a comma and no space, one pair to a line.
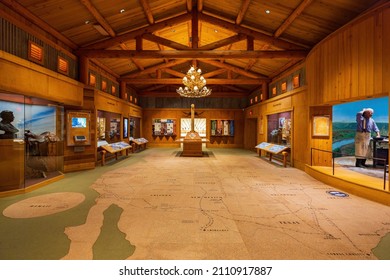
78,128
199,126
164,127
222,127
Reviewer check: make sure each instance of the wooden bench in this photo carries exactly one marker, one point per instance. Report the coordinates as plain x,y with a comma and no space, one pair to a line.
114,148
274,149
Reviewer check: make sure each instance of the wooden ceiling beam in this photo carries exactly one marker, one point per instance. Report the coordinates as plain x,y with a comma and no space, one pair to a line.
155,68
165,42
214,73
233,68
100,19
194,29
224,42
278,43
214,94
200,5
242,12
173,72
138,32
192,54
178,81
292,17
147,10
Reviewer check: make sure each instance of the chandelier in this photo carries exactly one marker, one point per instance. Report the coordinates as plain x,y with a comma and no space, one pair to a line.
195,84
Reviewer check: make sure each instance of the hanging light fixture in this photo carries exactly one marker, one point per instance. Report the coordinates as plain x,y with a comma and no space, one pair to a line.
195,84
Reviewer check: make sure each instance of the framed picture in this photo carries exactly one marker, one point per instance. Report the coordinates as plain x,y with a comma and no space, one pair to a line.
321,125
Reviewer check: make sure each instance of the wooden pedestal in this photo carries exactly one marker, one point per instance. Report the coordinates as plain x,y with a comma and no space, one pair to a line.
11,164
192,148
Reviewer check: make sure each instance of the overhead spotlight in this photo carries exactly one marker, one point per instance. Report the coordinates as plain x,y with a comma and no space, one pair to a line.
267,11
87,22
122,11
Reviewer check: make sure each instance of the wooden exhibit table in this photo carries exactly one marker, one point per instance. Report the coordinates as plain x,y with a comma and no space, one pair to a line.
114,148
274,149
192,147
138,143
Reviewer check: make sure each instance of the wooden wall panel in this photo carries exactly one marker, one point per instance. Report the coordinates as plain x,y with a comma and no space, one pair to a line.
351,63
36,81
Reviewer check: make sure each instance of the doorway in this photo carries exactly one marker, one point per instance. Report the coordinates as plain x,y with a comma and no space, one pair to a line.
250,135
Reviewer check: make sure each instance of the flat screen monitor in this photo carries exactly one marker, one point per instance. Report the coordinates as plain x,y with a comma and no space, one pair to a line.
79,122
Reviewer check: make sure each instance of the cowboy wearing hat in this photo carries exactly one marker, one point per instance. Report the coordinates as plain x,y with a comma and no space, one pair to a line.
364,126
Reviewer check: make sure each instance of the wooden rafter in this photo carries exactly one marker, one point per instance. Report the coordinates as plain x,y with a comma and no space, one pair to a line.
147,10
177,81
100,19
233,68
243,9
223,42
194,29
155,68
214,73
192,54
165,42
292,17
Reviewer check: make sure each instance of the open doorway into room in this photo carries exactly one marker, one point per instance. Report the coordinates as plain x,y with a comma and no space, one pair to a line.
344,129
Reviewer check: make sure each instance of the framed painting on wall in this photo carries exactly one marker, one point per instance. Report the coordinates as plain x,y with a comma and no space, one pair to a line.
321,126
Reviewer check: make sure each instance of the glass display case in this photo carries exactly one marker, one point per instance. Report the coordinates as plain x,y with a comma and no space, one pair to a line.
31,141
279,128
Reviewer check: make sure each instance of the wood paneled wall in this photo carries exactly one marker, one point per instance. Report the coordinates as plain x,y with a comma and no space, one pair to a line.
33,80
352,63
164,141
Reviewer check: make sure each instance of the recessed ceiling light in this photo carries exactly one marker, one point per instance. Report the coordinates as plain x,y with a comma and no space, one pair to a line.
215,30
122,11
87,22
267,11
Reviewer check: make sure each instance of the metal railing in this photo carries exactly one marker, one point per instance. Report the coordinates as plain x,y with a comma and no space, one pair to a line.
385,166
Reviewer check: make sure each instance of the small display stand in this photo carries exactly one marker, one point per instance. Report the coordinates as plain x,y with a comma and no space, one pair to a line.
274,149
114,148
138,143
192,145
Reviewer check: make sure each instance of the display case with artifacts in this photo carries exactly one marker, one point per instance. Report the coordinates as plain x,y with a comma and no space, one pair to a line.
31,142
101,128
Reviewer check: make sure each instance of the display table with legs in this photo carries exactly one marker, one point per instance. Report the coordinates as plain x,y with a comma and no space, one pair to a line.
274,149
114,148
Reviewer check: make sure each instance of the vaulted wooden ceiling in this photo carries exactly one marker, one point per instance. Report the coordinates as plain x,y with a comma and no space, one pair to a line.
150,44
